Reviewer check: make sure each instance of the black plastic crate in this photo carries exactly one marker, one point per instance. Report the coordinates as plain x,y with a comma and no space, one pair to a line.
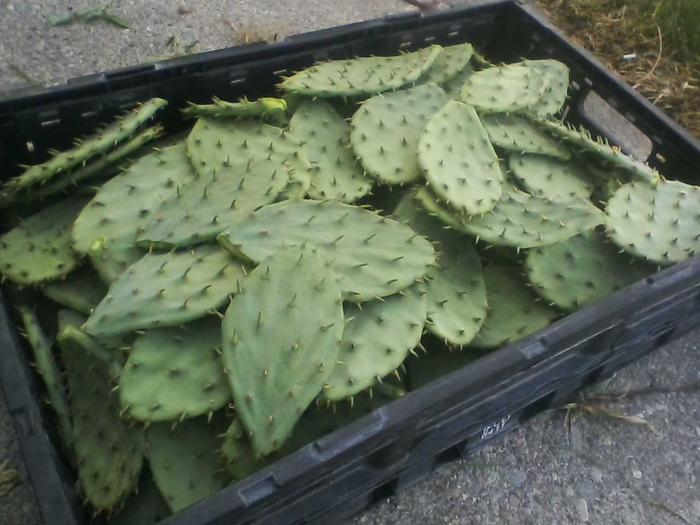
399,444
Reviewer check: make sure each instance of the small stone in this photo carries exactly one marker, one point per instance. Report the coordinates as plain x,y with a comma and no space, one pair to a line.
596,474
586,489
569,492
637,474
582,508
696,507
518,477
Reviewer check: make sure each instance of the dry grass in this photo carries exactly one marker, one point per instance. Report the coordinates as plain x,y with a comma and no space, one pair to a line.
258,31
662,36
8,478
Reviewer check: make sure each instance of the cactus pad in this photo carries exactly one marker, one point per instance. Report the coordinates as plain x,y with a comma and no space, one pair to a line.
325,138
80,291
298,185
214,144
660,224
386,130
514,310
85,150
99,168
184,460
315,423
145,507
45,363
275,374
600,150
556,79
202,208
449,64
372,256
39,249
453,87
454,288
237,452
67,318
166,290
519,135
274,109
174,373
376,339
551,178
361,76
438,209
125,204
459,162
505,89
521,220
109,452
582,270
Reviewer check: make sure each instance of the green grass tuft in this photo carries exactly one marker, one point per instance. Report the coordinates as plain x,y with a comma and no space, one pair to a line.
679,21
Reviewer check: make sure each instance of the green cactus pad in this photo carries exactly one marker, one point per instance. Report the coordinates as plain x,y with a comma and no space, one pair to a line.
505,89
459,162
165,290
438,209
386,130
449,64
372,256
174,373
237,452
214,144
274,109
184,460
109,452
298,186
202,208
315,423
111,351
325,139
99,168
361,76
521,220
39,249
660,224
581,139
145,507
519,135
86,149
81,291
107,351
125,205
514,309
454,288
67,318
551,178
46,365
276,373
102,259
376,339
453,87
556,79
582,270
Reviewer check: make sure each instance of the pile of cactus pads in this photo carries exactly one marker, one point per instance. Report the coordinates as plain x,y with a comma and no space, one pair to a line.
199,305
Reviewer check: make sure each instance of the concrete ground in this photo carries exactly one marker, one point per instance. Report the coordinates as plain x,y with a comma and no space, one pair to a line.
601,470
